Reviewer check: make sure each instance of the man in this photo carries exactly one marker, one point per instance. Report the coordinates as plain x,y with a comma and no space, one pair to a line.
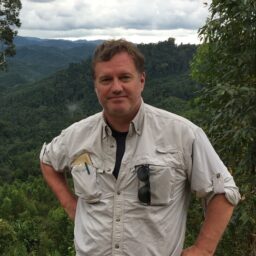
134,167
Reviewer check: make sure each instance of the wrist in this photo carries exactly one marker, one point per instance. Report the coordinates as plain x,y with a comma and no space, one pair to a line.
205,248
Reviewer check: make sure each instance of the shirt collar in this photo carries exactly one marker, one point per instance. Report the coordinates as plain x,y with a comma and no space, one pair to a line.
106,131
137,122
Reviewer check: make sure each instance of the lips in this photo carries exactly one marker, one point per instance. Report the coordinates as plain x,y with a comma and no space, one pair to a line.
117,97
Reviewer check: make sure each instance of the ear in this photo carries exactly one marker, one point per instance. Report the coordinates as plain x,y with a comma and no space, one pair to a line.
142,80
96,90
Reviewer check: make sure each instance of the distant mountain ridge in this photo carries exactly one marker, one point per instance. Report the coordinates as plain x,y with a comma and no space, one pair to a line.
59,43
37,58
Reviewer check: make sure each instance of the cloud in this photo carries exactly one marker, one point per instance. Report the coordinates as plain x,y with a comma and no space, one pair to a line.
68,17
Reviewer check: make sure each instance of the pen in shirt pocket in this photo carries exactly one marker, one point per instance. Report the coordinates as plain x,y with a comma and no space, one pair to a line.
87,168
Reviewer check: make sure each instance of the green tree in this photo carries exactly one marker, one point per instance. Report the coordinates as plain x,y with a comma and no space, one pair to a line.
9,244
225,64
7,236
9,12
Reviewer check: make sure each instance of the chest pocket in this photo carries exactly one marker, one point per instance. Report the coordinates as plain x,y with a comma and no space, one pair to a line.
85,182
162,175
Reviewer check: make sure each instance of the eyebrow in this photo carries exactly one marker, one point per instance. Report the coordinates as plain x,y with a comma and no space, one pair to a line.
104,77
109,75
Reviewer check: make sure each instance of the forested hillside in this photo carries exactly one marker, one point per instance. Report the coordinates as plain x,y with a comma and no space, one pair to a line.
37,58
31,221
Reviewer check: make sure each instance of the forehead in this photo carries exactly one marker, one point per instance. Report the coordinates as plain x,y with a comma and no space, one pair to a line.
120,62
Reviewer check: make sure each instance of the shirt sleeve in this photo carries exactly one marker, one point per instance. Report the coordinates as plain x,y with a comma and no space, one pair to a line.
209,176
54,153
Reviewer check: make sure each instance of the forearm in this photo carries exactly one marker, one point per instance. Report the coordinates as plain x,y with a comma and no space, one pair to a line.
218,214
57,182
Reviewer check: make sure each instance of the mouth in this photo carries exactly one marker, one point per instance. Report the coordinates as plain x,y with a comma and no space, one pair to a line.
117,97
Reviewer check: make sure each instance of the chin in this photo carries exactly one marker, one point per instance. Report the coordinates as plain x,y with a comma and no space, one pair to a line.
118,108
118,112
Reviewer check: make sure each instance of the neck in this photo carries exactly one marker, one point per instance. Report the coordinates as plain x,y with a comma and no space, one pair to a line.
119,124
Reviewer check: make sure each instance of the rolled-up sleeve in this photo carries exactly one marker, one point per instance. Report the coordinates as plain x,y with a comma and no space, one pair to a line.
54,153
209,176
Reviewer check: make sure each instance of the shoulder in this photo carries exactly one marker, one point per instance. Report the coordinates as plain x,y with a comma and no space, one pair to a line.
168,118
85,125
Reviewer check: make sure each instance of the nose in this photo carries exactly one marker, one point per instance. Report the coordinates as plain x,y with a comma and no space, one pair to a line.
117,86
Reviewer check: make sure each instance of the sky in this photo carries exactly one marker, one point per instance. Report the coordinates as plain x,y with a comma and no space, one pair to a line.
139,21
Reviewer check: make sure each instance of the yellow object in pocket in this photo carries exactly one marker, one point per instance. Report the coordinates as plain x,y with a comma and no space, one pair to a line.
82,159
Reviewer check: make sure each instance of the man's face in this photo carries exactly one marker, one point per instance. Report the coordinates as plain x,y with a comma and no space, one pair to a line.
118,86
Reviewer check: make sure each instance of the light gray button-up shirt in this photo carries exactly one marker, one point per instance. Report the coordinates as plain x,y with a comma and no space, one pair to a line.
110,219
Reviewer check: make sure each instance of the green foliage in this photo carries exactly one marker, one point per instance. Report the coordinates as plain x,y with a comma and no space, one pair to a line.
7,236
32,223
166,58
226,64
9,11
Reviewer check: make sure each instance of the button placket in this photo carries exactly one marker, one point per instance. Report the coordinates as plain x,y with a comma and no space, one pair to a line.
110,146
117,222
119,203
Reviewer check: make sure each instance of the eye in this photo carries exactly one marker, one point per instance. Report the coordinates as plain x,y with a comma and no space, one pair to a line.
125,78
105,80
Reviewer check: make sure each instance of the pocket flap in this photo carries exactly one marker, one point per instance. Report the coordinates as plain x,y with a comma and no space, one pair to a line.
166,149
171,155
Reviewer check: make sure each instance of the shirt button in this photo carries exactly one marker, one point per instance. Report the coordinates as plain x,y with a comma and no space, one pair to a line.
117,246
117,219
118,193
